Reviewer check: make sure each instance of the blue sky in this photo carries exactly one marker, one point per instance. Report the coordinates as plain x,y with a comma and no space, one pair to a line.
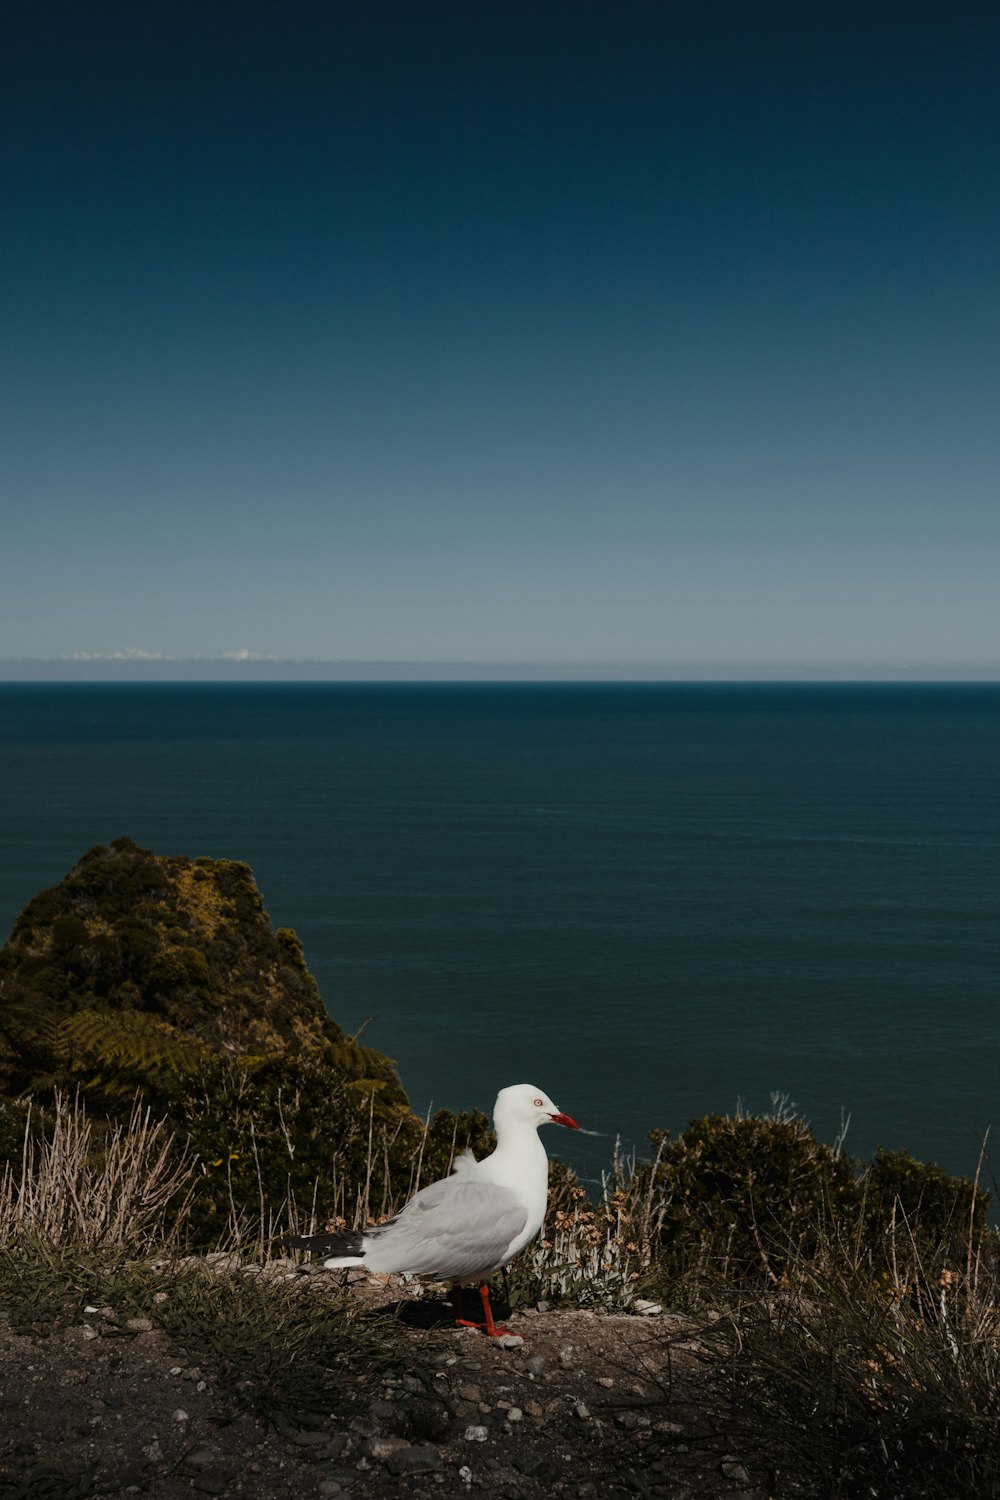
592,337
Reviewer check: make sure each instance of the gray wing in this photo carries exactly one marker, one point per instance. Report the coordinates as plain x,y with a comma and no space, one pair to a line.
453,1229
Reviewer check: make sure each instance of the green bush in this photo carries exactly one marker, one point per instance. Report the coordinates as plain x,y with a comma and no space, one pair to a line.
938,1212
745,1194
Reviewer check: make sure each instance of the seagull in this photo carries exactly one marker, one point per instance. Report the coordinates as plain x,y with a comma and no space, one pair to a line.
468,1225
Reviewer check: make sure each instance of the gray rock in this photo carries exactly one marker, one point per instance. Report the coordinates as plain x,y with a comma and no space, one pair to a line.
421,1459
308,1438
535,1365
734,1470
476,1433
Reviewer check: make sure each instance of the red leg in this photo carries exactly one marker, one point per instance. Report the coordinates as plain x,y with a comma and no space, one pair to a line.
493,1330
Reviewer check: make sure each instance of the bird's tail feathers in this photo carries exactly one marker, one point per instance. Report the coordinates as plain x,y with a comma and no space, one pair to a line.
343,1249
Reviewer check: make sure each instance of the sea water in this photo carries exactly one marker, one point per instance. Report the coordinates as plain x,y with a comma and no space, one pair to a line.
654,901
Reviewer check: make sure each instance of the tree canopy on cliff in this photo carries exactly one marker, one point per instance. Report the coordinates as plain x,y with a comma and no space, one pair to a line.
162,976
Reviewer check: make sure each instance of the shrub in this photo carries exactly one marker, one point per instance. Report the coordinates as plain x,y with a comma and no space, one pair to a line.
939,1211
740,1195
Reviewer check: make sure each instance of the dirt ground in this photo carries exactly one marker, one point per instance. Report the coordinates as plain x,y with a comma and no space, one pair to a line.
573,1403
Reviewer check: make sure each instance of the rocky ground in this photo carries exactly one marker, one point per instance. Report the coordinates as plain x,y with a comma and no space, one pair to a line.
572,1403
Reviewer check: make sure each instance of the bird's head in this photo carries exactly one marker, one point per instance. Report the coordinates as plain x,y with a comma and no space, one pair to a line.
524,1104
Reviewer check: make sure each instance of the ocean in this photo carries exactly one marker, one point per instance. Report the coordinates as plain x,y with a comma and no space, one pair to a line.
654,901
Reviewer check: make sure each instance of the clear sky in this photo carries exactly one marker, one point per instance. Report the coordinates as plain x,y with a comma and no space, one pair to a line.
572,335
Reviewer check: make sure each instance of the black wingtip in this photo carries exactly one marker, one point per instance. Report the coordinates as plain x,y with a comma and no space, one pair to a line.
326,1244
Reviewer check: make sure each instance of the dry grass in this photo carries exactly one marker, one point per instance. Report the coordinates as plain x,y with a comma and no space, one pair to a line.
125,1186
876,1374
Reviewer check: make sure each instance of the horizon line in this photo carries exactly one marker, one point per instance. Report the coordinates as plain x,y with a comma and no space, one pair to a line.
231,669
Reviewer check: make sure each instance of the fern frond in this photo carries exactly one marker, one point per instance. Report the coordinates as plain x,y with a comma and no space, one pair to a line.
130,1040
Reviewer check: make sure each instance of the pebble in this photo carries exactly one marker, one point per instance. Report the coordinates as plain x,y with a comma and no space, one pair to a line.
330,1487
476,1434
606,1381
668,1429
141,1325
90,1333
566,1356
514,1414
630,1420
734,1470
510,1341
200,1458
645,1308
381,1448
582,1411
177,1369
469,1393
535,1365
180,1415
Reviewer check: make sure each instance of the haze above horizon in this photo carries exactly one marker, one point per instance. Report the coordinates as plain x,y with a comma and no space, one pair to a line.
510,338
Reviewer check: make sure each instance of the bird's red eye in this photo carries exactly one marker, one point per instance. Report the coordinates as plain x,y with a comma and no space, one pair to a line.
540,1103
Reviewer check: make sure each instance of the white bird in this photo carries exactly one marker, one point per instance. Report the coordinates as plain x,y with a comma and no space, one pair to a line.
468,1225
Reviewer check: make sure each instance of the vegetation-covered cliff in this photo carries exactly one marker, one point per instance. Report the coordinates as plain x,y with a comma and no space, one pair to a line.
162,976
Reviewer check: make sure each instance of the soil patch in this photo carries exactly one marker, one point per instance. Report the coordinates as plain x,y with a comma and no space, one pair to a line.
573,1403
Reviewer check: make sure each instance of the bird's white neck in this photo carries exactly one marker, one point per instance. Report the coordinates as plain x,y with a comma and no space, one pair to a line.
519,1162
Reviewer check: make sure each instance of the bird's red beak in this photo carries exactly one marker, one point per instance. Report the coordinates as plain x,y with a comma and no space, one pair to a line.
564,1120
